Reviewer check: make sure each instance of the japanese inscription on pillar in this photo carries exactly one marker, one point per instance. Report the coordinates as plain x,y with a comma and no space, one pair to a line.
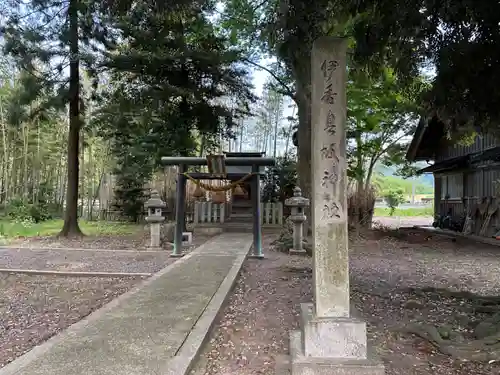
332,208
328,178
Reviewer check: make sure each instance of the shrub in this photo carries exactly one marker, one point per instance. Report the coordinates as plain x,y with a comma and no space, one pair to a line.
394,198
19,210
280,180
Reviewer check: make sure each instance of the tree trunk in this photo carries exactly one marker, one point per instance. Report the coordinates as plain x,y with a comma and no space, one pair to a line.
289,134
369,173
242,132
3,196
275,137
303,94
356,213
90,189
71,227
36,166
359,164
25,132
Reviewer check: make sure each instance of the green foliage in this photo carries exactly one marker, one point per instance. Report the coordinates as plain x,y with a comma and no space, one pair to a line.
174,81
381,114
394,198
280,180
11,229
383,184
175,75
20,211
407,212
461,38
129,191
50,41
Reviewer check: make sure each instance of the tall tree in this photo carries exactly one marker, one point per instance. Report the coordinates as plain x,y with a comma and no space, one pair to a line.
270,116
381,115
49,40
177,86
459,40
287,30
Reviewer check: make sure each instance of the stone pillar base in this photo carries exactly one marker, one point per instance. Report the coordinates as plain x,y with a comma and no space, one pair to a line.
187,238
155,248
297,252
255,256
336,346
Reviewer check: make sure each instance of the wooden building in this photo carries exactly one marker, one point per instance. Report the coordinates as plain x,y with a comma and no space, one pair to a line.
466,176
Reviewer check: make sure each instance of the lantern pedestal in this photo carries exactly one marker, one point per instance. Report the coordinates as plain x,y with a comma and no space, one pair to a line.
155,231
297,203
155,206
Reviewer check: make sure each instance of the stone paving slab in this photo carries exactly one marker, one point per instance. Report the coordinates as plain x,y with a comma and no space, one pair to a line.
143,332
82,261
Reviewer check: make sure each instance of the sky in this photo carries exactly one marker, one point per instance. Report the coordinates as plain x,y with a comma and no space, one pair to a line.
259,79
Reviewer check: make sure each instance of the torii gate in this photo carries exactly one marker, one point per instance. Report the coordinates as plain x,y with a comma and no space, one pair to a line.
217,170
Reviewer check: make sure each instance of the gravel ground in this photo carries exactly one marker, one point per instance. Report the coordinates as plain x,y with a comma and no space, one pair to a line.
81,261
252,333
55,254
137,241
34,308
402,221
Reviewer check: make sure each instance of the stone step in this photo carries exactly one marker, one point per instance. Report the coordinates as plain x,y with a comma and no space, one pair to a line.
240,220
238,227
242,210
242,229
242,203
241,215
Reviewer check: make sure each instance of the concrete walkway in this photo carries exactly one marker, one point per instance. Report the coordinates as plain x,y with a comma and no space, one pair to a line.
155,329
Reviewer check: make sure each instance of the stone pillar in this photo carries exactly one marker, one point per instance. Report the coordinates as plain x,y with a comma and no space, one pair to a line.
329,180
297,217
154,206
330,341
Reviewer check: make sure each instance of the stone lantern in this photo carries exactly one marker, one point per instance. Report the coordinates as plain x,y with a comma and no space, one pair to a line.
297,217
155,206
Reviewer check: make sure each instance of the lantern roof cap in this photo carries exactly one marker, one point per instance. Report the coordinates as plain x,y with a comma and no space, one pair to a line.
297,200
155,201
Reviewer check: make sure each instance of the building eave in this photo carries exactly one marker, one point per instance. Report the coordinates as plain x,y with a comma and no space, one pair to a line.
411,154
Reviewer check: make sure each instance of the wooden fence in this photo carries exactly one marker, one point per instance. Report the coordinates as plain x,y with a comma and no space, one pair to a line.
217,213
271,213
209,212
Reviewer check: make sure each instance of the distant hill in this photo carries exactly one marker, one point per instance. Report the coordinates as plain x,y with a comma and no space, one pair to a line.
424,179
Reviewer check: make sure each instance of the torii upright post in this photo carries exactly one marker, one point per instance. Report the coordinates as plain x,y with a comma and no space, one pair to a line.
257,220
180,212
184,162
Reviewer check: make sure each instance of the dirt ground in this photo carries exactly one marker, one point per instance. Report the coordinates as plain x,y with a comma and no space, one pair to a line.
84,261
34,308
126,253
137,241
394,284
402,221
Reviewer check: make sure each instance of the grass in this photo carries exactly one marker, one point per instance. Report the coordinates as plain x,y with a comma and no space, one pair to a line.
421,211
13,229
